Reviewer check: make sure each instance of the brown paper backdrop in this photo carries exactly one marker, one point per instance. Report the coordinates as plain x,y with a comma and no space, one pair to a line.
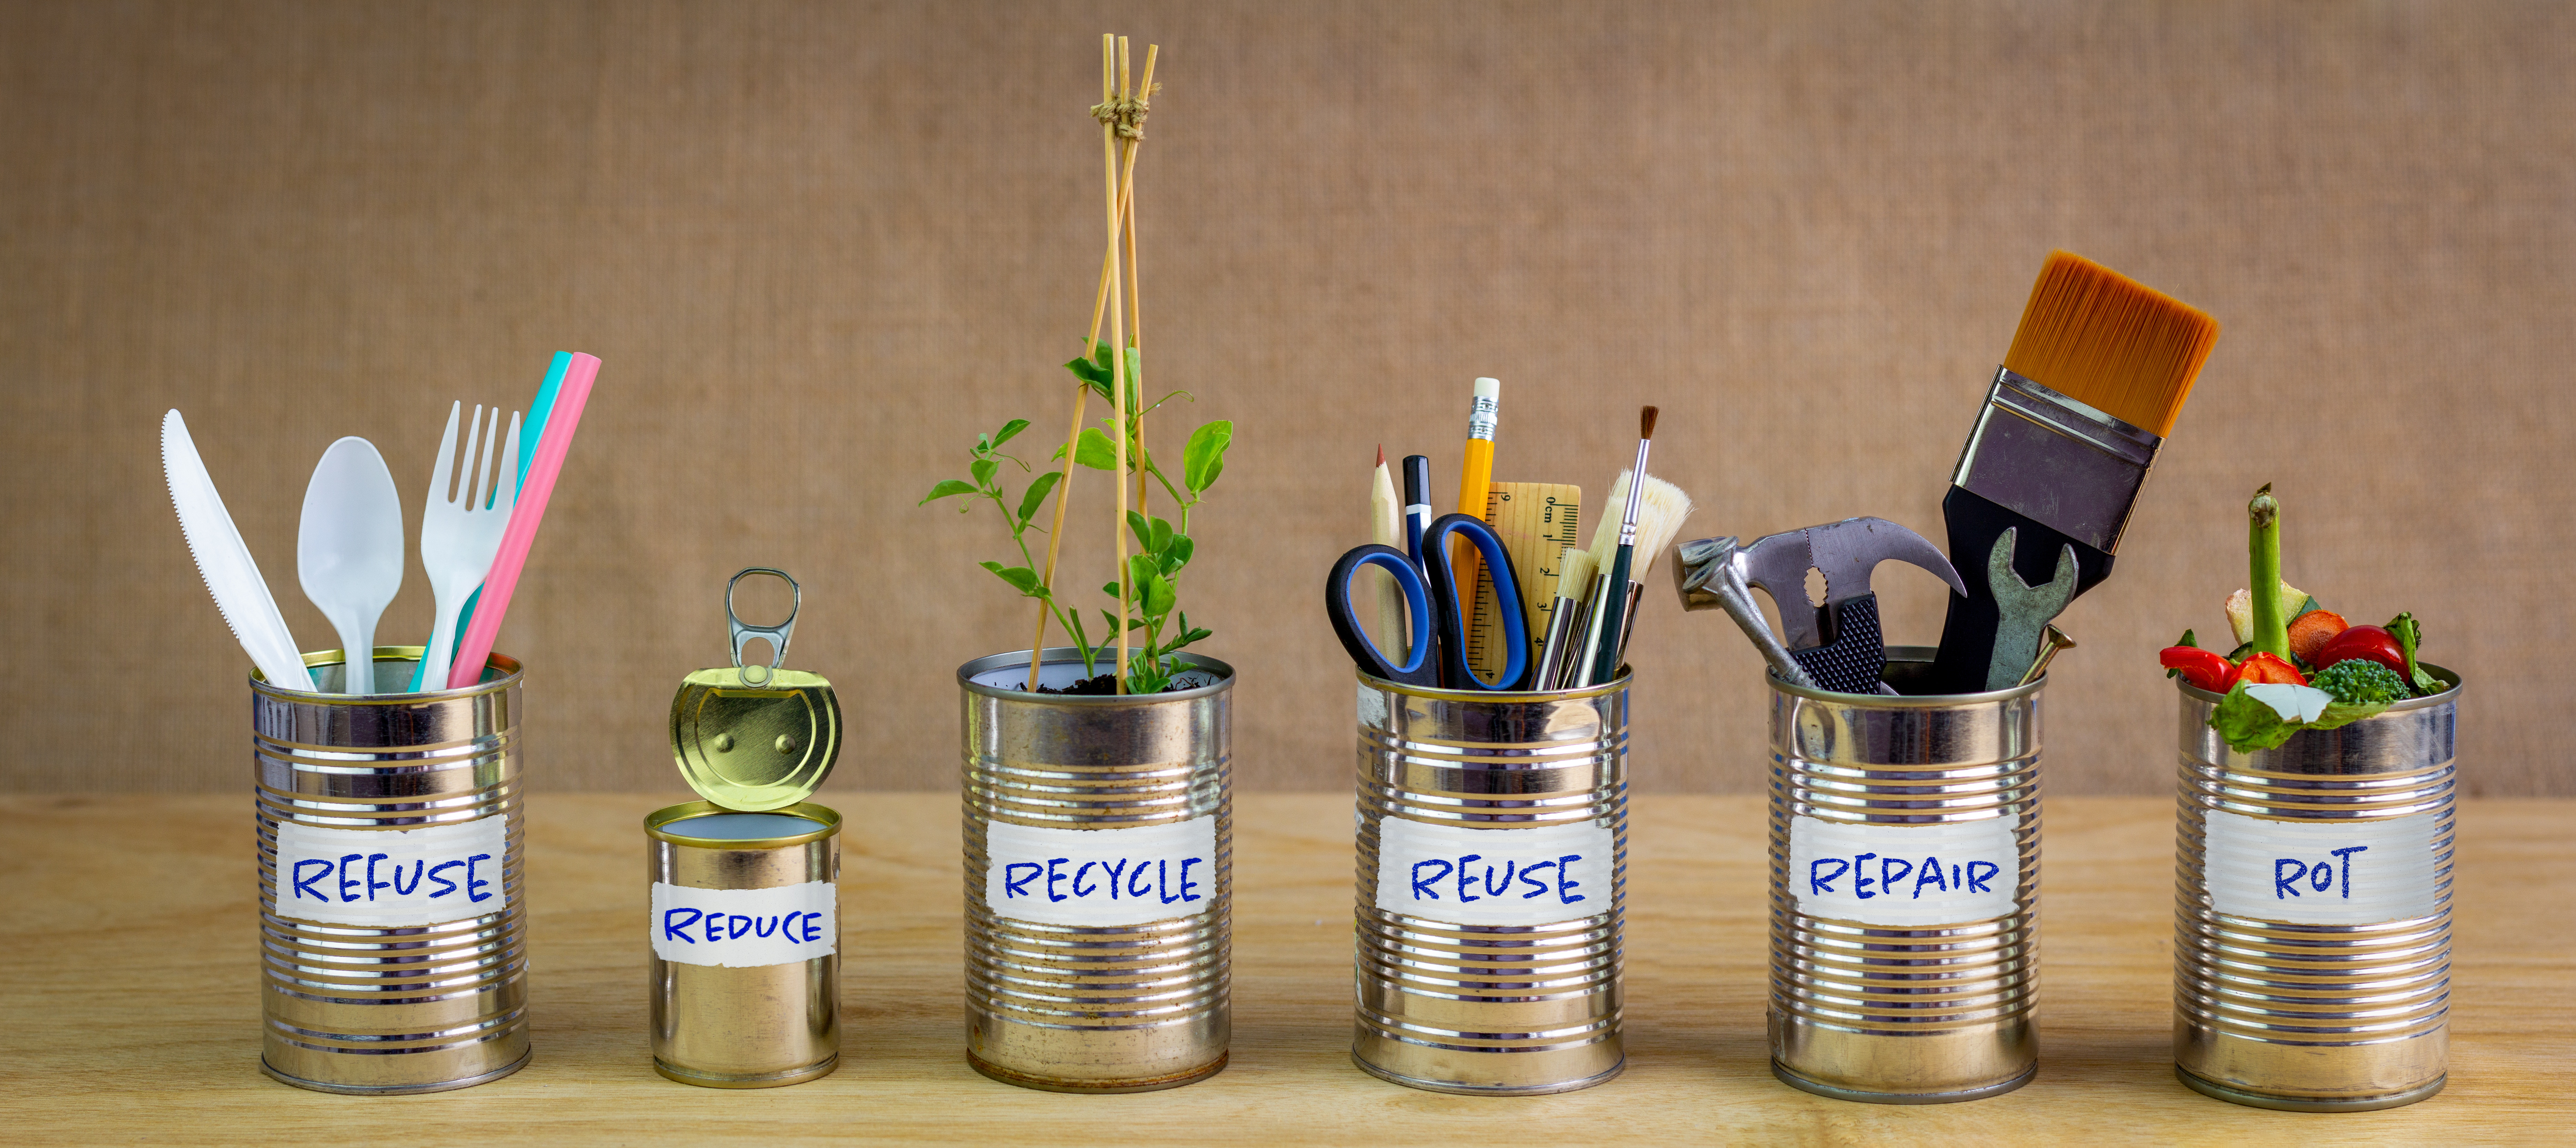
820,246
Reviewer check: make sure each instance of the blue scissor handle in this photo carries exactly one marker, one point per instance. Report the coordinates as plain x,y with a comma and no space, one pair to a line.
1452,619
1419,668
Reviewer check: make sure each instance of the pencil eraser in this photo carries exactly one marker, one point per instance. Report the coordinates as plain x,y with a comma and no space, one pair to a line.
1489,388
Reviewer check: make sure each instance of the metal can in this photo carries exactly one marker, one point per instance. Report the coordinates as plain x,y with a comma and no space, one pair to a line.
2312,910
1904,890
1462,984
746,962
393,919
1096,959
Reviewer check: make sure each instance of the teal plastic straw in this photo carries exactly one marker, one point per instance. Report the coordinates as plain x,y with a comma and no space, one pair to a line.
531,429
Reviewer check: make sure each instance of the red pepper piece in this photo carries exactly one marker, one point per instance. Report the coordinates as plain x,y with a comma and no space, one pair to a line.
2263,669
2206,669
2371,643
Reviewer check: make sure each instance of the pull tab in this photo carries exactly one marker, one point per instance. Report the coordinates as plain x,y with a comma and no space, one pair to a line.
744,632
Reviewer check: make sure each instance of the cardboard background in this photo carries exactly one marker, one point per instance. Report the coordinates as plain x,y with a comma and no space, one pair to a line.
820,246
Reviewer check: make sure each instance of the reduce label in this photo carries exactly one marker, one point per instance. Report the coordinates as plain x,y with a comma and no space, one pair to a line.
1461,876
2360,871
745,928
1944,873
393,878
1097,878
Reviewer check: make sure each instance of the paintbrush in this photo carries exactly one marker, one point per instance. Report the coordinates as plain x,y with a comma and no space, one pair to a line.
2070,426
1615,589
1661,509
1566,622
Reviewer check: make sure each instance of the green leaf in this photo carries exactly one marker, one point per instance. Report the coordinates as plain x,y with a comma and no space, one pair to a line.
1162,537
1035,499
1009,429
1094,450
1020,576
1179,554
946,488
2341,714
1204,459
2248,724
1109,588
1143,530
983,471
1159,597
2188,640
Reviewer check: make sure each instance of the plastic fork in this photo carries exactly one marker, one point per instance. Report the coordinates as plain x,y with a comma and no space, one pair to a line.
459,536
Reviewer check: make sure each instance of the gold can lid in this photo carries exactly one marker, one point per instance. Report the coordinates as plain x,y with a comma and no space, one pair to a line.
756,738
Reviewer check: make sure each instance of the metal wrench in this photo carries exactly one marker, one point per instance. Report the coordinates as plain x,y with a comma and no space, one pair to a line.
1707,574
2026,610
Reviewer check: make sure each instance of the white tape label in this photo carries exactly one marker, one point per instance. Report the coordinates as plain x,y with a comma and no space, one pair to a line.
393,878
745,928
1944,873
2355,872
1462,876
1100,877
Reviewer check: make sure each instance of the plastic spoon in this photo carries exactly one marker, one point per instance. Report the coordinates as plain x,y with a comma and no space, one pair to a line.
349,551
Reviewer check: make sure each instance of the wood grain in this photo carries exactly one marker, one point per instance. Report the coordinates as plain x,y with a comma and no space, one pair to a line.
133,1012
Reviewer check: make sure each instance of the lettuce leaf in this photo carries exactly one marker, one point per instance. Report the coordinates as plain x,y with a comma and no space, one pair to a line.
2249,723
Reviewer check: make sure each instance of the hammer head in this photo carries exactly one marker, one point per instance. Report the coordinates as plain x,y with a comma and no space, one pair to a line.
1846,552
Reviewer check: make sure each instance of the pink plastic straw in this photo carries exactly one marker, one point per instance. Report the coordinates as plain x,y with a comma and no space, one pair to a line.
522,531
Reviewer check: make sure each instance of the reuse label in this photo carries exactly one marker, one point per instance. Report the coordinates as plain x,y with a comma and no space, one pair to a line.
1097,878
1941,873
393,878
2357,871
1521,876
745,928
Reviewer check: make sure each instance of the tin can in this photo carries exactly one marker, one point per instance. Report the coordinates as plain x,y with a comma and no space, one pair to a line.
746,962
1099,846
1464,983
1904,890
393,922
2312,910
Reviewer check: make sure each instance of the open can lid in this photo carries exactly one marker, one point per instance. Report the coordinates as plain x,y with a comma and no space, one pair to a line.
755,748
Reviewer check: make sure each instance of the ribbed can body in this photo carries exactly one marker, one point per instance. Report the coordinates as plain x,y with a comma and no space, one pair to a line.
760,1022
391,1008
1462,985
1055,1003
2312,910
1904,890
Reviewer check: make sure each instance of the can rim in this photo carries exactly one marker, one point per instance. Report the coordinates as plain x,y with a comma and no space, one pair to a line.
1057,655
2440,673
511,672
654,821
1627,677
1921,654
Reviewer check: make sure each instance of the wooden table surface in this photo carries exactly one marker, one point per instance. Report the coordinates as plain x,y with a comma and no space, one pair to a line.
133,1012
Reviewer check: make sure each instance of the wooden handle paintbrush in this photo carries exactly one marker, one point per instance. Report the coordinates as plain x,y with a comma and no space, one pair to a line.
1615,589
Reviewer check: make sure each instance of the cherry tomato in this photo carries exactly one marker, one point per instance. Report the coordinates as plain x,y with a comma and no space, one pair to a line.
2203,668
2263,669
2369,643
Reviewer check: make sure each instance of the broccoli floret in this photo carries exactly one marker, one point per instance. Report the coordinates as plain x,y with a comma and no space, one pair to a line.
2362,682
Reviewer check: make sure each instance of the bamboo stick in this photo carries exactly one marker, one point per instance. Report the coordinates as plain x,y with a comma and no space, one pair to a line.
1118,393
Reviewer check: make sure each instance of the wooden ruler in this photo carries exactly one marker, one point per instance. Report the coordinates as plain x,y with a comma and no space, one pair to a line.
1537,521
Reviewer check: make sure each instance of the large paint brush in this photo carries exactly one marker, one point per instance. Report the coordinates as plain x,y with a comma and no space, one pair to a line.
2070,426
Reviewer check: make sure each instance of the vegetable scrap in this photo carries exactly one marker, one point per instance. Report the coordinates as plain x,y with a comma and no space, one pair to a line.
2297,665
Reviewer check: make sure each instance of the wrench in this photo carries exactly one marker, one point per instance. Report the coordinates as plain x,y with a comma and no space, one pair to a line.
1707,576
1846,552
2026,610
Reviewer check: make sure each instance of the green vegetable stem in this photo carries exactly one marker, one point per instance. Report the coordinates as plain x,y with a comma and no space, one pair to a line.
2263,542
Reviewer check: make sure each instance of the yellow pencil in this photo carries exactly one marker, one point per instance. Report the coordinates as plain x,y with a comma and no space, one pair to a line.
1476,479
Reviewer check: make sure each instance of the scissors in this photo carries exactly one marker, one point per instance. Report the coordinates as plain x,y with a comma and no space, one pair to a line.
1437,619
